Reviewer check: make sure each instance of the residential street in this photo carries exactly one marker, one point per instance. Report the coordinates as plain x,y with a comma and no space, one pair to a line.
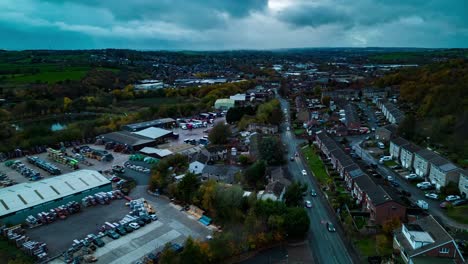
416,194
326,247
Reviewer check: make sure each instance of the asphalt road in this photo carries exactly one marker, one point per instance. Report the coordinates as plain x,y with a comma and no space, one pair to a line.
326,247
416,194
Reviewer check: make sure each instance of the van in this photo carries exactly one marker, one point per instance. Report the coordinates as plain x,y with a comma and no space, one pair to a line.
381,145
422,204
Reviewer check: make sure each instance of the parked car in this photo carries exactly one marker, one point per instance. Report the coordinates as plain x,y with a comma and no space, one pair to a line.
422,204
433,196
153,217
444,205
459,202
330,227
423,184
98,242
121,231
135,226
308,204
304,172
389,178
291,159
113,234
411,177
452,198
394,183
313,193
128,228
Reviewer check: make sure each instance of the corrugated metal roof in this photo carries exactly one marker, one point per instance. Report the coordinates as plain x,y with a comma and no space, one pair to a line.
153,132
25,195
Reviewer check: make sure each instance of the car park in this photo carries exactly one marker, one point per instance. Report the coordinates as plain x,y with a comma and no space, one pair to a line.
304,172
432,195
308,204
330,227
452,198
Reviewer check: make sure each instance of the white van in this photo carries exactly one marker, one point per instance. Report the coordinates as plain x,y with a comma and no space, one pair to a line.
422,204
381,145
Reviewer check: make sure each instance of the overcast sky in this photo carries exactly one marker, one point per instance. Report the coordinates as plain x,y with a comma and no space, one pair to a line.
231,24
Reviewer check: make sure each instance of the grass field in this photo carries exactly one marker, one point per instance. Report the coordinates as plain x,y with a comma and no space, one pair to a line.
153,101
390,163
49,77
315,164
459,214
368,247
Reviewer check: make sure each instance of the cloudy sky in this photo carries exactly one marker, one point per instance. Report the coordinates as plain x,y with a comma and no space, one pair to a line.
231,24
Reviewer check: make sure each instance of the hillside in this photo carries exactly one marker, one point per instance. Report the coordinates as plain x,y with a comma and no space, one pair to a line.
437,95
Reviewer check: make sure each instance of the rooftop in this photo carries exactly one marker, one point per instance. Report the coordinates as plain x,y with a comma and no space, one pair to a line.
26,195
153,132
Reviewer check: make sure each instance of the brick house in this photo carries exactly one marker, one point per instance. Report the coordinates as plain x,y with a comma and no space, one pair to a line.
361,183
385,133
463,183
382,205
325,143
426,241
352,119
407,155
351,173
421,163
442,172
395,147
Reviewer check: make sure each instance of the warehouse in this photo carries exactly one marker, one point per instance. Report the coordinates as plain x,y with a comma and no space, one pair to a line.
161,123
134,141
21,200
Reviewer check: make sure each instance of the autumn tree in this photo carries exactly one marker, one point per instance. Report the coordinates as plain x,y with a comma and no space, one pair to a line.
188,186
255,174
294,193
219,134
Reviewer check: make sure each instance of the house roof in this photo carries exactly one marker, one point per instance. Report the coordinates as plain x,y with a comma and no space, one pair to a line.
225,173
391,127
413,148
142,125
153,132
427,154
364,183
399,141
443,164
156,151
433,228
377,194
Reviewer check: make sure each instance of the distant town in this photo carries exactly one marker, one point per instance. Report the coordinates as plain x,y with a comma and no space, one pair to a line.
331,155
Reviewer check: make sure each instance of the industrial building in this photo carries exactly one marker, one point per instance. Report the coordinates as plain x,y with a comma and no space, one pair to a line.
161,123
21,200
134,141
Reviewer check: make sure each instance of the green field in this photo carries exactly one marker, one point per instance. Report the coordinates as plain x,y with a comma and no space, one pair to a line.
49,77
368,247
459,214
315,164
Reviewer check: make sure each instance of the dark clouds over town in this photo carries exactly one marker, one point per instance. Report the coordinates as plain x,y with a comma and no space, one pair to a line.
231,24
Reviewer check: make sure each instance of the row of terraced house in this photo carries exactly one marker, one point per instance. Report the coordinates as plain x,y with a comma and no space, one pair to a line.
428,164
381,202
417,240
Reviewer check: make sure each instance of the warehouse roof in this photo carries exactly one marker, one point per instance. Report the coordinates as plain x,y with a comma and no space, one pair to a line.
143,125
125,137
153,132
26,195
159,152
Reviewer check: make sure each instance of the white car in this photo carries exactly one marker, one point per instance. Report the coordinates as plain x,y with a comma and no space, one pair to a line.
134,225
153,217
411,176
389,178
288,129
423,184
452,198
434,196
304,172
308,204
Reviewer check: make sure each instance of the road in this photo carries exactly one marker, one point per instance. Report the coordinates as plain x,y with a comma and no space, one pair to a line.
326,247
416,194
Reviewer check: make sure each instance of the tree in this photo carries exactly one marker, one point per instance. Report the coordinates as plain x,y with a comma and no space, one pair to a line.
192,253
228,201
168,256
219,134
390,225
382,243
188,186
326,100
407,128
271,150
207,196
244,160
297,223
255,173
294,193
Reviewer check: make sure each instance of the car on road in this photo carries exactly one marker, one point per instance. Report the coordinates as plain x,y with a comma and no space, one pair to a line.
432,195
330,227
452,198
422,185
304,172
313,193
288,129
394,183
422,204
308,204
389,178
291,159
135,226
459,202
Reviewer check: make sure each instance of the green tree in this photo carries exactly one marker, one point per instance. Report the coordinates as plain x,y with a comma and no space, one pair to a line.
168,256
219,134
188,186
407,128
271,150
192,254
255,174
297,223
294,193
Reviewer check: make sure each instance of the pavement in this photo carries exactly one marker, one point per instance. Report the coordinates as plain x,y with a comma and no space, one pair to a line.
416,194
325,246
